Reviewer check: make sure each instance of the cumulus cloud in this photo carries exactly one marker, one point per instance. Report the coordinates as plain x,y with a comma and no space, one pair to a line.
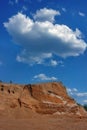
46,15
43,77
81,14
41,39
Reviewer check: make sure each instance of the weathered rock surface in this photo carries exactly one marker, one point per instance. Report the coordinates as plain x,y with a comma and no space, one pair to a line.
46,98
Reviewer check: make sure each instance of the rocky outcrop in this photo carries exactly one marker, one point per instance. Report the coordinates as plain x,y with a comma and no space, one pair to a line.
46,98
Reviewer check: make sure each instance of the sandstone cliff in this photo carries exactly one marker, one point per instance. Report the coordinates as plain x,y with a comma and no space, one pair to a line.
46,98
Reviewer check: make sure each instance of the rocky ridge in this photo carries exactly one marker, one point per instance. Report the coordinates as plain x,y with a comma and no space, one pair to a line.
45,98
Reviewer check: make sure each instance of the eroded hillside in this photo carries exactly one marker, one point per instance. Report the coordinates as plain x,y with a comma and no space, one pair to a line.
45,98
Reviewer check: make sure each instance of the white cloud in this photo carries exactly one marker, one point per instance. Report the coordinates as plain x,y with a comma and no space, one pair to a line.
26,57
72,91
43,77
53,63
46,15
81,94
75,90
85,101
41,39
81,14
81,97
76,93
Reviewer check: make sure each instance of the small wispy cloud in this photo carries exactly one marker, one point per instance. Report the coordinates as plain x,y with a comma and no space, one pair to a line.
44,77
80,97
53,63
81,14
81,94
72,91
76,93
85,101
24,8
11,2
64,9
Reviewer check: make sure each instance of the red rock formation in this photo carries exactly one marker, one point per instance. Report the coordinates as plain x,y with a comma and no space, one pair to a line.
46,98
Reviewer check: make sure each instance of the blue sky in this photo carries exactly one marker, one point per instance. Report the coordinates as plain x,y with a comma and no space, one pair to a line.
45,40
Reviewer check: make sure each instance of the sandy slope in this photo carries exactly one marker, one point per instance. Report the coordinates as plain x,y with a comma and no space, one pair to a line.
42,122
